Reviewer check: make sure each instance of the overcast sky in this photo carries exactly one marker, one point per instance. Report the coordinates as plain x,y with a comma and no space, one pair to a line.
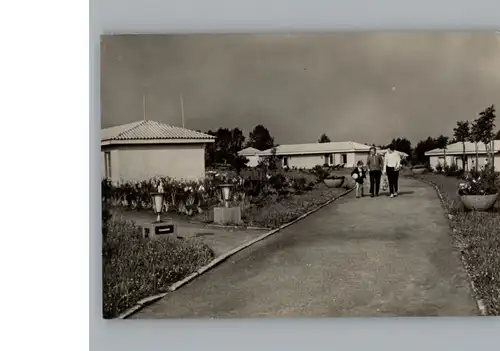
362,87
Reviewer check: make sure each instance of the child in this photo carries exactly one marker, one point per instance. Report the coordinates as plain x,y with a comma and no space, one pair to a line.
359,174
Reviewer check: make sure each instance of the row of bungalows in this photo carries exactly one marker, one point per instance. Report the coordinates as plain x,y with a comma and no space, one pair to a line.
144,149
454,152
343,153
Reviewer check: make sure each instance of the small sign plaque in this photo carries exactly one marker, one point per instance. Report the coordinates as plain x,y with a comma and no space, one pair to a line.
154,229
164,229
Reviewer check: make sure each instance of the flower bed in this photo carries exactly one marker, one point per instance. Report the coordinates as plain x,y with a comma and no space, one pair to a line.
275,210
477,235
266,198
134,268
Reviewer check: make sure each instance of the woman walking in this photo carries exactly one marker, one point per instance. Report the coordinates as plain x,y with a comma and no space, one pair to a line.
374,163
392,163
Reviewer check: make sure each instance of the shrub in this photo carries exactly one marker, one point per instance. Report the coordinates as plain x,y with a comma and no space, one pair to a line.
439,168
135,268
446,169
453,171
320,172
279,183
299,184
105,213
428,167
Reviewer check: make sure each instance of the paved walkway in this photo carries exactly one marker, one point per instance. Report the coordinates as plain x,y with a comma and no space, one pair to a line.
355,257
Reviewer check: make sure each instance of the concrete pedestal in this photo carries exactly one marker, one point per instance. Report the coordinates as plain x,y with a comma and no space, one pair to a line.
227,215
158,229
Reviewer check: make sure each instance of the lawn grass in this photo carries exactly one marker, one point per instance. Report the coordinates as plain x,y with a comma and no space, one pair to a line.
135,268
477,235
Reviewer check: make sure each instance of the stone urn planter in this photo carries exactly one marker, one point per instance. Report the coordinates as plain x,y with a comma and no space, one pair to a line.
334,182
479,202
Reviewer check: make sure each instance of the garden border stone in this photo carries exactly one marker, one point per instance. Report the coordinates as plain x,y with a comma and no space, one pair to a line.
480,304
151,299
244,227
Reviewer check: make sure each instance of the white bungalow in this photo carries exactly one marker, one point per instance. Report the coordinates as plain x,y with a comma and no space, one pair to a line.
252,155
347,153
455,151
140,150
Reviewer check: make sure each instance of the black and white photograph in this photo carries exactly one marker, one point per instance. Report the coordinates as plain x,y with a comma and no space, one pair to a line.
329,174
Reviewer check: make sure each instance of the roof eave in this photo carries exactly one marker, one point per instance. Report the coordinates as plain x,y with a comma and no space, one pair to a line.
155,141
441,153
265,153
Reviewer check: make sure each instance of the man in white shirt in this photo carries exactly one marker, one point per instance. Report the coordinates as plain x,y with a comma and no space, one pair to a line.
392,164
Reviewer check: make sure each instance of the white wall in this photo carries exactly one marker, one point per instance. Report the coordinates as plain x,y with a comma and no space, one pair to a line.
471,159
360,156
115,163
141,162
310,161
103,170
253,161
304,161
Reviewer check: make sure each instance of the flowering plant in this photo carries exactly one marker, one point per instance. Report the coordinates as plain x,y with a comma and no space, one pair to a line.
185,197
483,182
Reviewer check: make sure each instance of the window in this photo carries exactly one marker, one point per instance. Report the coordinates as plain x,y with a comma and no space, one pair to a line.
107,164
331,159
344,158
285,161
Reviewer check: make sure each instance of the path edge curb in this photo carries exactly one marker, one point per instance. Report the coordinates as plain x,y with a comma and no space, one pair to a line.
151,299
236,227
479,302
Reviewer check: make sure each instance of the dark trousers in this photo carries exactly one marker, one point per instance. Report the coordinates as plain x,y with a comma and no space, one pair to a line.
375,182
392,177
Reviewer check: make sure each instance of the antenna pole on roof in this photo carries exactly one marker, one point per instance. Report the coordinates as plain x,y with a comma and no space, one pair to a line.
144,106
182,110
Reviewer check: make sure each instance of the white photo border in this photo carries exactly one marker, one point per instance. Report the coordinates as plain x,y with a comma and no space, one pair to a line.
223,16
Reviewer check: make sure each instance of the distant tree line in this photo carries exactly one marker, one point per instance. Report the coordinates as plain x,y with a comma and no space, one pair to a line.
229,141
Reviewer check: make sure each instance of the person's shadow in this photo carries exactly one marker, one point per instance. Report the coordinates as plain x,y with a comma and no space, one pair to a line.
400,193
408,192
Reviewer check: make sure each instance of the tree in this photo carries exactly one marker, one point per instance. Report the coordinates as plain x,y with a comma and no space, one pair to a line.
462,134
260,138
426,145
475,137
270,162
485,125
225,148
324,139
442,142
